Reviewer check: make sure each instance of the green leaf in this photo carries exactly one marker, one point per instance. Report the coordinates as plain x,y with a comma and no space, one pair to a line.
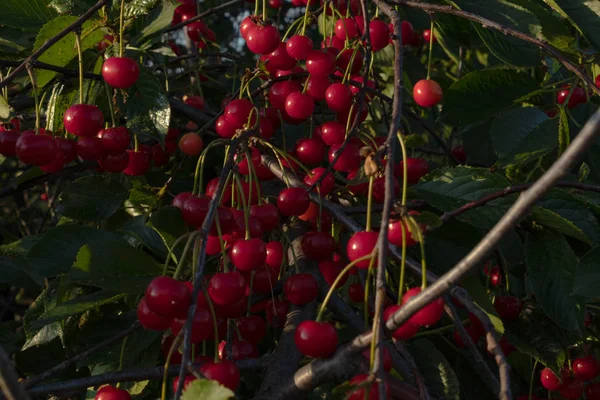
509,49
63,51
585,14
477,291
450,188
169,224
429,219
587,275
480,95
564,135
93,197
147,109
551,272
206,389
159,19
4,108
20,247
554,29
77,306
436,370
114,266
444,248
551,219
26,14
523,134
56,251
16,272
73,7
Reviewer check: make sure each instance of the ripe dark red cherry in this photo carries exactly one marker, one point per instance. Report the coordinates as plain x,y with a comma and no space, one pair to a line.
356,188
326,185
380,34
571,389
333,133
298,47
365,393
114,140
194,210
120,72
459,153
577,97
317,86
407,32
224,128
83,120
280,59
262,39
508,307
139,163
356,292
406,331
316,339
320,63
245,26
585,368
495,277
8,140
427,93
338,97
225,372
345,57
299,106
115,162
293,201
252,328
549,380
226,288
592,391
274,255
427,36
276,312
57,164
195,101
345,27
333,42
396,230
301,289
67,147
191,144
310,151
202,325
416,168
428,315
90,148
180,199
279,92
159,155
112,393
35,149
149,319
331,270
168,297
349,159
248,254
237,112
267,214
362,244
318,245
196,30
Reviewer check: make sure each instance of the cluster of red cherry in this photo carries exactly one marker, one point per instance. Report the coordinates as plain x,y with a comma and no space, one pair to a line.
571,383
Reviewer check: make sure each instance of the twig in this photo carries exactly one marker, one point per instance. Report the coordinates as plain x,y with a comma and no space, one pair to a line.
48,43
9,382
50,67
198,17
202,55
60,367
487,23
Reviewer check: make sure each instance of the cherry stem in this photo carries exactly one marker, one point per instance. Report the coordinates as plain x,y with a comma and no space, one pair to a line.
244,203
415,227
110,105
172,249
80,63
122,358
253,176
532,379
405,232
404,168
199,173
349,120
349,66
305,20
367,290
336,282
369,202
256,5
430,47
186,250
222,244
35,98
320,216
135,142
121,17
211,308
264,4
174,345
296,22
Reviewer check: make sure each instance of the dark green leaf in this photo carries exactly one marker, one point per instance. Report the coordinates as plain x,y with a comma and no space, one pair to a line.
207,390
551,219
140,232
429,219
160,18
523,134
585,14
551,272
56,251
477,291
114,266
480,95
45,301
553,28
587,274
508,49
20,247
26,14
16,272
73,7
169,224
92,198
444,248
436,370
478,143
564,135
11,337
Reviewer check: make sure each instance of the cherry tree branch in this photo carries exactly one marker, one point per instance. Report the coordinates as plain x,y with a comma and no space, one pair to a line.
48,43
488,23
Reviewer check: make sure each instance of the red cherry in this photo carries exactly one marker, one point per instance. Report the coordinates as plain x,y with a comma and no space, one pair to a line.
114,162
139,163
240,350
301,289
243,166
356,188
299,106
180,199
279,92
592,391
264,279
262,39
310,151
159,156
345,57
356,292
8,141
224,128
149,319
225,372
194,210
326,185
293,201
83,120
407,32
428,315
202,325
416,40
67,147
213,245
248,254
379,189
571,389
406,331
274,255
299,46
338,97
246,192
345,116
320,63
112,393
245,26
317,87
459,153
471,331
56,165
597,80
349,159
296,70
234,310
577,97
508,307
331,270
35,149
226,288
168,297
275,3
120,72
316,339
380,34
586,368
239,227
365,393
362,244
267,214
105,43
427,36
114,140
387,358
252,328
416,168
272,114
549,379
427,93
495,277
396,230
90,148
238,111
266,128
345,28
196,30
276,312
333,133
318,245
280,59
